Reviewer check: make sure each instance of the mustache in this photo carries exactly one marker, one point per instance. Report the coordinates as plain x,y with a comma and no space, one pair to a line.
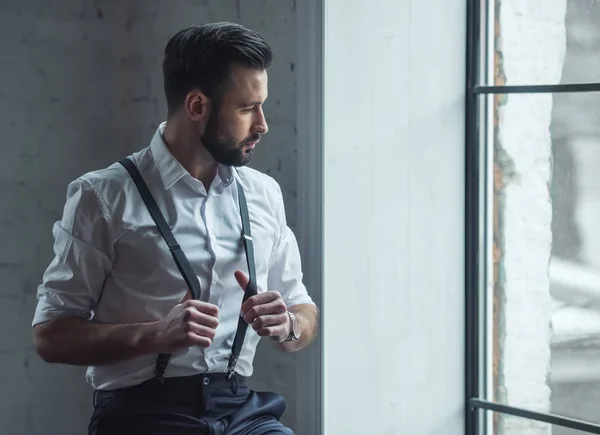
255,137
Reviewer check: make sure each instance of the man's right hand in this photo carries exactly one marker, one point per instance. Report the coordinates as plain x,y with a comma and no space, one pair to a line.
79,341
191,323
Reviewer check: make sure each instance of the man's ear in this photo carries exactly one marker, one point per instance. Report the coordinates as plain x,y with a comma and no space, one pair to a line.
197,106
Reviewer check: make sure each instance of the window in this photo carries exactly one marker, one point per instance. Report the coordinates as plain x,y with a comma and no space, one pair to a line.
533,217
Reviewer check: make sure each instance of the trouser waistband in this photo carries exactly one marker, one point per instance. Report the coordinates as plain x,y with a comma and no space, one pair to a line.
176,386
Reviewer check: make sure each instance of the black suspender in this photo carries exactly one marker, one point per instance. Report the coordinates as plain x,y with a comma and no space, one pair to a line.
250,291
182,262
186,269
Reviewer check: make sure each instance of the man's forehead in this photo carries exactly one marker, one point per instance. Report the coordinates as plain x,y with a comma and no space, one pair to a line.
250,82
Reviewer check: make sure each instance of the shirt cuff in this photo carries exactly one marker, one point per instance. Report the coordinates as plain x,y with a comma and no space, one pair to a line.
46,311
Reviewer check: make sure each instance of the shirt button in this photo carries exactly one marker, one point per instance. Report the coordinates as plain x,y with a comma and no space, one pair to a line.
205,381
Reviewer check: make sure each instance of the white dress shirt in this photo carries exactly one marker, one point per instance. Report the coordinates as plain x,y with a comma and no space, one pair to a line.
111,263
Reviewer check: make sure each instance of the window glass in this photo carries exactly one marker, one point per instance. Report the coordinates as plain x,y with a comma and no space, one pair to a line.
541,156
521,426
527,31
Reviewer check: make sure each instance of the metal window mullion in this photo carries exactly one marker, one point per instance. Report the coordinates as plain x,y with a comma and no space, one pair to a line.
537,89
472,176
553,419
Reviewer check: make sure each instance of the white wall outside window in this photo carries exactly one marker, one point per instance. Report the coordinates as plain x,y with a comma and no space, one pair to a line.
393,210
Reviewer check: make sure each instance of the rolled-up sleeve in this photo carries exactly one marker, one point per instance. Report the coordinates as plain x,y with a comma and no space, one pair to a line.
285,265
83,256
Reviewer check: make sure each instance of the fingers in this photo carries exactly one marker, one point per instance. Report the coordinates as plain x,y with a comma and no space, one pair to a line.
197,340
187,297
200,330
255,307
269,320
242,279
203,307
267,313
274,333
192,315
200,322
275,326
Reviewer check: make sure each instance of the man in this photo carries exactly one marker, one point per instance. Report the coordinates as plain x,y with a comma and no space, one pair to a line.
114,299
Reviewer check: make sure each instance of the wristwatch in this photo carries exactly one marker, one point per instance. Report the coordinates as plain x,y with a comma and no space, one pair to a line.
294,334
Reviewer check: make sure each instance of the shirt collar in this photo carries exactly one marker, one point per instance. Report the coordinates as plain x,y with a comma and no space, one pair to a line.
169,168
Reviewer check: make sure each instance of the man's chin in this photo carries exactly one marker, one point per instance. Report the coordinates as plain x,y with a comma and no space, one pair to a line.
245,162
239,161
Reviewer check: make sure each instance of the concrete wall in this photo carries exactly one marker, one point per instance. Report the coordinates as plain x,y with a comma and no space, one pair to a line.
532,48
80,86
393,295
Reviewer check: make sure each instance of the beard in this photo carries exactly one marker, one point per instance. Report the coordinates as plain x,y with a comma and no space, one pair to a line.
224,148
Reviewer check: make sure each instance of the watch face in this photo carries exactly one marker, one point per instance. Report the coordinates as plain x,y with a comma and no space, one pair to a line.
295,328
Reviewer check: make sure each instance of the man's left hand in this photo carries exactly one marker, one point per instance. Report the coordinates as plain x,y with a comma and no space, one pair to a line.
266,312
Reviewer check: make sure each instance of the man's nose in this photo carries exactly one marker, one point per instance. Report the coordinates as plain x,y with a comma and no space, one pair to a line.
261,125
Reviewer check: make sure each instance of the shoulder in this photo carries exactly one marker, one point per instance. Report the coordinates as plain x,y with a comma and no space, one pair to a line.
85,209
99,179
101,191
106,184
101,184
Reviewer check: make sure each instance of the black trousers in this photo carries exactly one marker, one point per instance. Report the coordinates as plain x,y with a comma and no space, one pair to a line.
208,404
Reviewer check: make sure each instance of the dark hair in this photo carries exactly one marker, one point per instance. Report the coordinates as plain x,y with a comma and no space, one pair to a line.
200,57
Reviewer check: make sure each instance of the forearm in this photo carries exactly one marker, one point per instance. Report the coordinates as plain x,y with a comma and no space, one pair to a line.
77,341
307,316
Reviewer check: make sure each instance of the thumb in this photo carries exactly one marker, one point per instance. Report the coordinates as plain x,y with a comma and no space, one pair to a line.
242,279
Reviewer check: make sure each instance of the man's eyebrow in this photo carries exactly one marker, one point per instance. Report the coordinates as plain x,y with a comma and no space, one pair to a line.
251,103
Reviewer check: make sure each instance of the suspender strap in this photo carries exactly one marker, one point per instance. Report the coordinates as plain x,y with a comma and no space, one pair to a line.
251,289
183,264
186,269
181,260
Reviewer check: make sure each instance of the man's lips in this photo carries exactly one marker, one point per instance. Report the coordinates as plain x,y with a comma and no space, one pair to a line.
251,145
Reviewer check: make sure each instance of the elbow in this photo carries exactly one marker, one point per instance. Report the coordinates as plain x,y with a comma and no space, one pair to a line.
43,344
46,355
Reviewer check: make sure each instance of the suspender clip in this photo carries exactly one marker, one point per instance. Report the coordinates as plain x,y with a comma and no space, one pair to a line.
231,367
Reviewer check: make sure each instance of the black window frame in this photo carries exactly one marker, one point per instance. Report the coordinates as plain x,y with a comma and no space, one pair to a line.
476,405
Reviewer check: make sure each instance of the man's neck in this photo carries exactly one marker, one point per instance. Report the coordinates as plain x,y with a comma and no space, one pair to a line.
189,153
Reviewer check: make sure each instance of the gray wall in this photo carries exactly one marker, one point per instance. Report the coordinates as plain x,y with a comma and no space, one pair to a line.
80,86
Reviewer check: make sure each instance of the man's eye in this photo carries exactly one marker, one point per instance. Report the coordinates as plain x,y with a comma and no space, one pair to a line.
247,110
